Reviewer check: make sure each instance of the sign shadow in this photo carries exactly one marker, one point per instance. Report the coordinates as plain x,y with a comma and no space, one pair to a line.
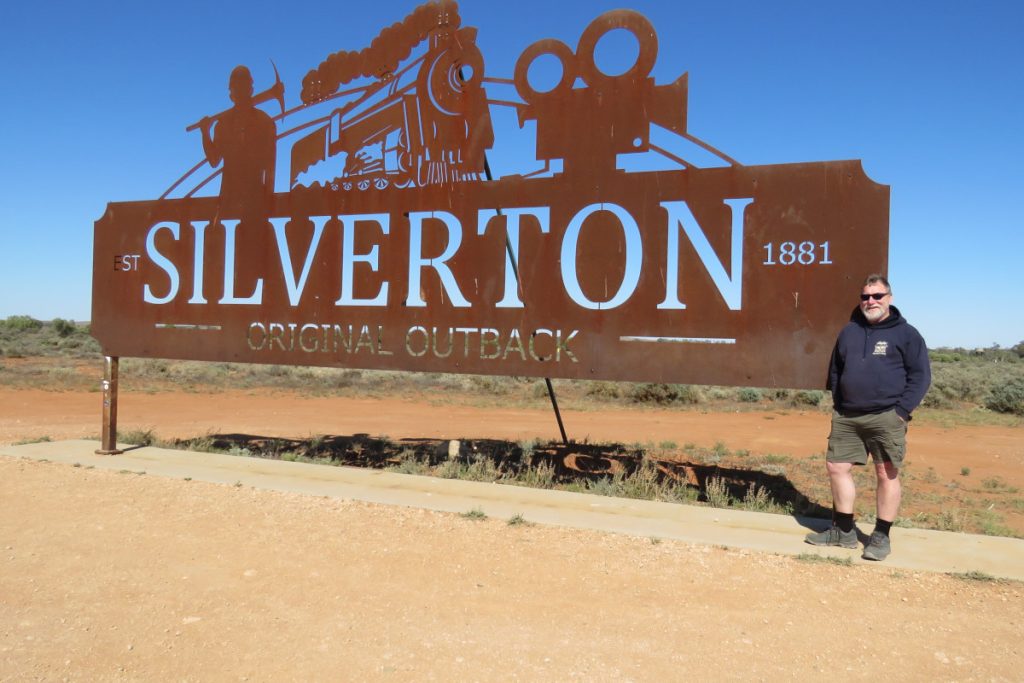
601,469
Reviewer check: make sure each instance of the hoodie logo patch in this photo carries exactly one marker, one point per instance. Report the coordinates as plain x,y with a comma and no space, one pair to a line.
881,347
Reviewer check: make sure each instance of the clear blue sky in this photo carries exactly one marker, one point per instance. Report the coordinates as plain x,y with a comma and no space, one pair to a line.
930,95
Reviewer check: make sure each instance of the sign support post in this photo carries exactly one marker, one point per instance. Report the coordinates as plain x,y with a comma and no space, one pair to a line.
558,414
108,445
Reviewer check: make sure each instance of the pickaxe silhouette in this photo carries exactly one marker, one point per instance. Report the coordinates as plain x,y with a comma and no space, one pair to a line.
274,92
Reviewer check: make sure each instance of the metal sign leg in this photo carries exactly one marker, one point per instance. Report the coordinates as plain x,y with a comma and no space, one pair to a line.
108,445
558,413
515,271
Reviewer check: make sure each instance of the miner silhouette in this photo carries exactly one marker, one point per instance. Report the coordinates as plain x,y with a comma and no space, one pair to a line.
244,139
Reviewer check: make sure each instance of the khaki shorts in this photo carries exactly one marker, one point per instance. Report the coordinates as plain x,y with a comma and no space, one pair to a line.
883,435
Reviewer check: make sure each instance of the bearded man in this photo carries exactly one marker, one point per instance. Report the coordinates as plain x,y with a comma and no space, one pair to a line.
878,375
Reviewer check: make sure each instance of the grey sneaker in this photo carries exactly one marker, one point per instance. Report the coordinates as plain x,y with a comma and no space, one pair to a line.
878,547
834,536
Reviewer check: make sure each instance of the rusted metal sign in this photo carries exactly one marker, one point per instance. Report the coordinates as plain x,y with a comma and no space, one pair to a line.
385,246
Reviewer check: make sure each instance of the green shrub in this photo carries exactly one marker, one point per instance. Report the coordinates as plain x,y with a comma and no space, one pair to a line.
652,393
937,398
954,384
974,576
22,323
1007,397
601,391
138,437
716,492
825,559
749,395
64,328
809,398
663,394
485,384
970,380
689,394
517,520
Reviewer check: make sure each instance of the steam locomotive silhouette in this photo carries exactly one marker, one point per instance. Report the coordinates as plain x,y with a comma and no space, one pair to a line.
425,123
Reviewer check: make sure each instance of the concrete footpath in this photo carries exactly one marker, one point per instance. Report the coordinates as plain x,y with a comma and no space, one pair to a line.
914,549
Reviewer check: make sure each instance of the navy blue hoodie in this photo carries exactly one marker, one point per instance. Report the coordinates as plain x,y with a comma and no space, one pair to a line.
879,367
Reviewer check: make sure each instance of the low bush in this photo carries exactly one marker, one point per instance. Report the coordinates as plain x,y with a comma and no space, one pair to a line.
665,394
64,328
689,394
749,395
23,336
21,323
972,379
1007,396
601,391
809,398
716,493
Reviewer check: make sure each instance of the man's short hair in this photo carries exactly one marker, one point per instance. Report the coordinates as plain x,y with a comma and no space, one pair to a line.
877,278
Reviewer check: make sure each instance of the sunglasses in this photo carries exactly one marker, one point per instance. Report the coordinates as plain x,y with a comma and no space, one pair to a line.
877,296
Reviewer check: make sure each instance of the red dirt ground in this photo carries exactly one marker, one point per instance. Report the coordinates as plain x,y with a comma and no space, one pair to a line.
988,451
117,577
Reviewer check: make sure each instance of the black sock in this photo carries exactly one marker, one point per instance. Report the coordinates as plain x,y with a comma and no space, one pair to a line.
844,520
882,526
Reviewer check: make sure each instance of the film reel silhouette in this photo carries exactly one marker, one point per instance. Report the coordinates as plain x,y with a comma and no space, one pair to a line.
582,63
587,127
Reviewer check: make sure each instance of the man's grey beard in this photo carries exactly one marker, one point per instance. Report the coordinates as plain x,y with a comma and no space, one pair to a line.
874,314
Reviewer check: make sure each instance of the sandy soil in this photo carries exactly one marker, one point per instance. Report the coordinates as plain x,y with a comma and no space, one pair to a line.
108,576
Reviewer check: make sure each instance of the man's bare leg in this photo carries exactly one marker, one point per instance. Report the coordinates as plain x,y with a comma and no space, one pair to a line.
889,492
842,532
844,491
887,500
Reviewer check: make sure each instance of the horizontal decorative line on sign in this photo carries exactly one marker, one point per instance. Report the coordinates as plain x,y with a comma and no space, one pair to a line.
176,326
680,340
